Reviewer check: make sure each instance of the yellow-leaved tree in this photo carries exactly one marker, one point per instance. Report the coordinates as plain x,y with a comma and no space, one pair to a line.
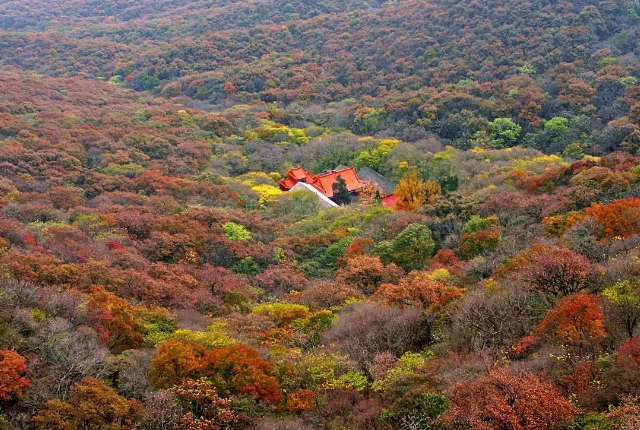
412,192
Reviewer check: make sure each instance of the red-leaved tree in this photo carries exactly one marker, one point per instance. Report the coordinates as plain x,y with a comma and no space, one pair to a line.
502,400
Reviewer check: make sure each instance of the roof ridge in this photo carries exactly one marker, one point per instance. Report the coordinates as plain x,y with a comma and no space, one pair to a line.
333,172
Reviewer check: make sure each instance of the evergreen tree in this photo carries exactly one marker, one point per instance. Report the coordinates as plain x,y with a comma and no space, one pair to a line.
340,192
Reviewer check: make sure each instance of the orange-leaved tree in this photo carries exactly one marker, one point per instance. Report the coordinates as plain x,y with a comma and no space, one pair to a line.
117,322
13,367
236,370
240,370
419,288
176,360
575,321
92,405
620,218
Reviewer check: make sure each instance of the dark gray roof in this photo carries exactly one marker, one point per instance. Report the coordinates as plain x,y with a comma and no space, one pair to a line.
367,174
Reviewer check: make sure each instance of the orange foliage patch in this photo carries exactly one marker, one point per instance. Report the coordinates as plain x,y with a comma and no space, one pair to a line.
12,369
301,400
234,370
620,218
418,289
575,320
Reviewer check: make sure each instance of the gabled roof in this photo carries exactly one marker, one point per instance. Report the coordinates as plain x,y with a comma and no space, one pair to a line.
293,177
298,173
287,183
367,174
325,181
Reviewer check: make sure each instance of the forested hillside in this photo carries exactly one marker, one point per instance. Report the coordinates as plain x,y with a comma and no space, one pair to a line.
409,68
155,275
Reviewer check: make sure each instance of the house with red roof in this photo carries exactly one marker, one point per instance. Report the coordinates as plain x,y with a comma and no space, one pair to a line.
323,183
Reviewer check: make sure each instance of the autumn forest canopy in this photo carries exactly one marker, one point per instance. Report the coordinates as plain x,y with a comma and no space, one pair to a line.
163,267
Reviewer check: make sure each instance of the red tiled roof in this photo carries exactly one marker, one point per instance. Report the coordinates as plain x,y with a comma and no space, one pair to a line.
287,183
389,201
298,173
293,177
325,181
